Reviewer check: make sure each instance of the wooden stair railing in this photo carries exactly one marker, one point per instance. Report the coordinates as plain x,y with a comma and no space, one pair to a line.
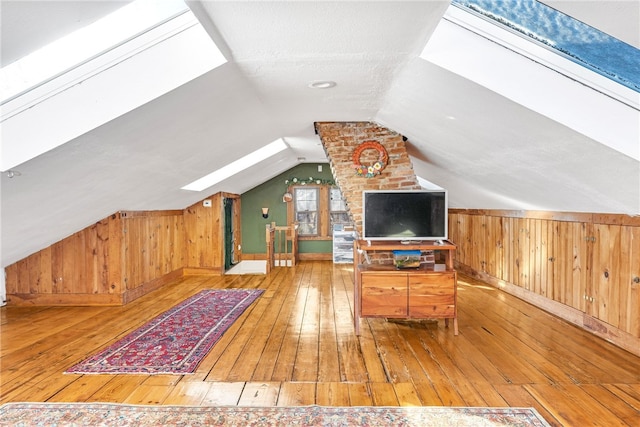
282,245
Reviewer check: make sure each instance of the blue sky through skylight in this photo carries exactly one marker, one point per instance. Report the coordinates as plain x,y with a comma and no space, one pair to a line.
573,39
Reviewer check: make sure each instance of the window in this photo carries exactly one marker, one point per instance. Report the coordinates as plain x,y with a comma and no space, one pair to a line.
316,209
570,38
305,200
237,166
89,42
55,85
531,74
337,208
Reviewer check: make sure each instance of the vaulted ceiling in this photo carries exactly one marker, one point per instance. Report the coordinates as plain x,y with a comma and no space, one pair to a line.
487,148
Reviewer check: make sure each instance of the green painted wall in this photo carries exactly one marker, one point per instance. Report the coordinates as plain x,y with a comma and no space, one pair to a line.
269,194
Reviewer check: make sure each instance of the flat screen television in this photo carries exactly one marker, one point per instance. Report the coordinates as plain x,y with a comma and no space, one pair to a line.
405,215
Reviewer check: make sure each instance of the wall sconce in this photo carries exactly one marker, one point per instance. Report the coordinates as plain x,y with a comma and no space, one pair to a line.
265,212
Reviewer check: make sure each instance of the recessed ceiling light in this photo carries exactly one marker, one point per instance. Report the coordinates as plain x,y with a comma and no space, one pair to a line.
322,84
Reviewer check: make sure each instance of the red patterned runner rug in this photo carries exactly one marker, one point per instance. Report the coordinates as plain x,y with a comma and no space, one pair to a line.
107,414
177,340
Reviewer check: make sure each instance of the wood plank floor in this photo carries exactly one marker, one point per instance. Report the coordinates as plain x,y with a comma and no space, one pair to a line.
296,346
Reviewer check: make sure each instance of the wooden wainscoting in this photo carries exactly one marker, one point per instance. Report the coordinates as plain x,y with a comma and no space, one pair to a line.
125,256
582,267
111,262
204,232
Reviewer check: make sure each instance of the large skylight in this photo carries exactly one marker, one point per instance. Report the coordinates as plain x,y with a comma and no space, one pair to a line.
535,76
569,37
99,73
85,43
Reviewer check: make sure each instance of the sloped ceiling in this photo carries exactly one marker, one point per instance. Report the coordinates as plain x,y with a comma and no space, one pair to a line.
494,154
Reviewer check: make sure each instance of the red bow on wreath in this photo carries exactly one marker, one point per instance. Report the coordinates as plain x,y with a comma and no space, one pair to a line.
369,171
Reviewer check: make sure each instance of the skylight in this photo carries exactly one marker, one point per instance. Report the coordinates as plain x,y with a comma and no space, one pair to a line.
535,76
237,166
98,74
566,36
85,43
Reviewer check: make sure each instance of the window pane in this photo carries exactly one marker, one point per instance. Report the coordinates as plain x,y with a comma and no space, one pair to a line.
337,208
339,218
306,199
307,223
337,202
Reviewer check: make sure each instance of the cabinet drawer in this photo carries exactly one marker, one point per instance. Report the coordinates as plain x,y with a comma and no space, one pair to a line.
432,284
429,309
384,295
432,295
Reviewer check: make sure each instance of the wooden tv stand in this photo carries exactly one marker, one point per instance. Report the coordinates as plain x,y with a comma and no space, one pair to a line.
418,293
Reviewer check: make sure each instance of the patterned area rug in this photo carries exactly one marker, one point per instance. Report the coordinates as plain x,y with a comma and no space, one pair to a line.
104,414
177,340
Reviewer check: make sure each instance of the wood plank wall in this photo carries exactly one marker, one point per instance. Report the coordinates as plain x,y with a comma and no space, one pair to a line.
85,267
153,250
582,267
123,257
111,262
204,234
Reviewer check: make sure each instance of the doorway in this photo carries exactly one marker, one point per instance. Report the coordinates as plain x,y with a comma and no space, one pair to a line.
229,237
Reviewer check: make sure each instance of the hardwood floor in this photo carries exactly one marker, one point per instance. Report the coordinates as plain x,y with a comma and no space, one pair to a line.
296,346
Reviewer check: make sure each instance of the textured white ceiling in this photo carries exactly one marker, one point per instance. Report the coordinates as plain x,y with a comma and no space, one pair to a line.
495,154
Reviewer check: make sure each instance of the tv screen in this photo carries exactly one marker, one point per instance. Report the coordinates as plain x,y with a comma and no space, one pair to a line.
404,215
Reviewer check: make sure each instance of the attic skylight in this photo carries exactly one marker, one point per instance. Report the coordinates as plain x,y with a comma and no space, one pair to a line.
128,59
237,166
566,36
86,43
531,74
